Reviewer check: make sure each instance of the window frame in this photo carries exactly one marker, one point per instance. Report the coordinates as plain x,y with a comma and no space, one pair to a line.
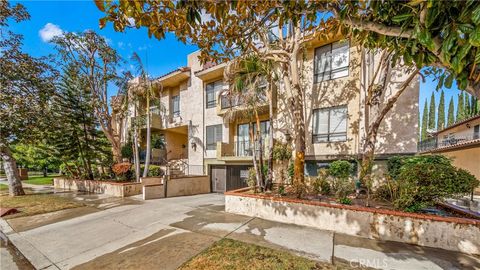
212,104
216,137
175,113
316,74
315,136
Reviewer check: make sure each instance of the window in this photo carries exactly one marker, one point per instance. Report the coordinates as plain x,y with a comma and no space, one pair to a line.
211,91
214,135
330,124
244,147
176,105
331,61
476,132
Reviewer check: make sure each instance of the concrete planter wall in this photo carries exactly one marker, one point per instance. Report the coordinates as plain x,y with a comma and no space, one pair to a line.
103,187
455,234
183,186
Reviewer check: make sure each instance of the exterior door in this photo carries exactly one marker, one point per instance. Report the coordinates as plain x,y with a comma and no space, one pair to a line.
218,177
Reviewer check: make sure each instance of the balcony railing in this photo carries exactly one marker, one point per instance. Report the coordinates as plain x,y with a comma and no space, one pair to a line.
243,148
231,101
436,143
141,121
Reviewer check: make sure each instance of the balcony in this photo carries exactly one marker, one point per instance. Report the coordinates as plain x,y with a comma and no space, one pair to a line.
236,104
239,150
141,121
432,144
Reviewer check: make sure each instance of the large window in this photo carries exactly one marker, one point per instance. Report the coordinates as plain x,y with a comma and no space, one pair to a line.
330,124
214,135
331,61
243,144
211,91
176,105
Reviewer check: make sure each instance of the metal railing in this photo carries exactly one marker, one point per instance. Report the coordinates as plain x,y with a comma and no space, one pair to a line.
245,148
435,143
237,100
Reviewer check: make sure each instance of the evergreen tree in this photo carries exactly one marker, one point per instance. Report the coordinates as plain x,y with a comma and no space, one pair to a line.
468,110
74,137
460,108
431,113
451,113
424,121
441,112
473,106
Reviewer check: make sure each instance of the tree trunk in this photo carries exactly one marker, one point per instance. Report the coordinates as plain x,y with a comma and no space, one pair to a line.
45,172
260,152
149,139
254,155
135,147
10,166
269,183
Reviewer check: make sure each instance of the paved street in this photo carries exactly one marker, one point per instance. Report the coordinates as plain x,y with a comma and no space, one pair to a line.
113,233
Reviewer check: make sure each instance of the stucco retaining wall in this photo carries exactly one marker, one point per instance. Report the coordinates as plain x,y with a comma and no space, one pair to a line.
455,234
183,186
102,187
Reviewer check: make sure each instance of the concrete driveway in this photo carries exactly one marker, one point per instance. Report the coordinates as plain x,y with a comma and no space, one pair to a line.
164,233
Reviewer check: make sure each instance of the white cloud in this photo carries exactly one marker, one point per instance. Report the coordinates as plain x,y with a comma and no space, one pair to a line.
49,31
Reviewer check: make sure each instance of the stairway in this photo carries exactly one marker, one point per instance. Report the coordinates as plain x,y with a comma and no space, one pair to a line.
178,167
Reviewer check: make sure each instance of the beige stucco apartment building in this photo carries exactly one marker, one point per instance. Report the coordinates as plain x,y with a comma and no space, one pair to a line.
197,127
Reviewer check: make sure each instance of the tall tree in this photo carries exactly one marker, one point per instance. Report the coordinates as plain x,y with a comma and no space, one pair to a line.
432,113
253,80
468,109
26,86
97,62
451,113
424,121
73,136
461,107
441,112
441,35
474,105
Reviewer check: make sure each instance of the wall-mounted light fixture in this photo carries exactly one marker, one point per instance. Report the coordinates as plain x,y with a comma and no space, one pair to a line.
193,145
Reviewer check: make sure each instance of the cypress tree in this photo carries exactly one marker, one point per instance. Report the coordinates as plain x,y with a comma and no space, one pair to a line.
451,113
431,113
460,108
468,110
423,133
441,112
473,106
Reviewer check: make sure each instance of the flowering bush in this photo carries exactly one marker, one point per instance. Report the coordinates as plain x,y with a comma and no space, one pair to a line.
122,171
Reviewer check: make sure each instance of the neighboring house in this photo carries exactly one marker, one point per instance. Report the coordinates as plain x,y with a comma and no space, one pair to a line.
199,129
460,142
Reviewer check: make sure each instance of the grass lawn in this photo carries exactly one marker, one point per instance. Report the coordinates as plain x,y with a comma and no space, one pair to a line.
3,187
40,180
230,254
29,205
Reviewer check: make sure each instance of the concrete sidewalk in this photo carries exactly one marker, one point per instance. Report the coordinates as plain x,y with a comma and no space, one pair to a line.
164,233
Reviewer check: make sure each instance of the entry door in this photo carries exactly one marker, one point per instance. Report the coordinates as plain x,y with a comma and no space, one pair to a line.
219,178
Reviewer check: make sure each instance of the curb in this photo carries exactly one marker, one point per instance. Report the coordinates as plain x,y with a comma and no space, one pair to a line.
33,255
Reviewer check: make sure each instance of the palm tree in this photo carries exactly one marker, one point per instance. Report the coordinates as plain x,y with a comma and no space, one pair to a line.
146,90
252,80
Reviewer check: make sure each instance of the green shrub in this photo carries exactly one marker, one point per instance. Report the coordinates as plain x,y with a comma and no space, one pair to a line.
281,190
154,170
252,177
281,152
290,172
320,183
421,184
340,169
345,200
394,164
127,151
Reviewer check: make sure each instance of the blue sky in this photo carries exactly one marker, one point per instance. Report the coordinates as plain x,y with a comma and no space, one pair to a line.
158,56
